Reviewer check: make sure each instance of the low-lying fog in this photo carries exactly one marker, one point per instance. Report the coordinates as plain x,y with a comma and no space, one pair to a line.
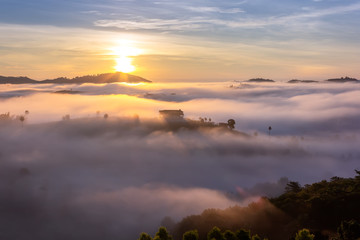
96,178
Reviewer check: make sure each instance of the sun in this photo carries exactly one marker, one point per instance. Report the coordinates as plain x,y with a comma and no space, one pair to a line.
124,64
124,58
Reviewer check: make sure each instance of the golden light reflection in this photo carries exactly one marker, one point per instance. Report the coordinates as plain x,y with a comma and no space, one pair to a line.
133,84
124,57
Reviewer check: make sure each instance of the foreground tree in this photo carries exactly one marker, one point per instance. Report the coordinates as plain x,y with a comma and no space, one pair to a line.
216,234
294,187
229,235
255,237
243,235
191,235
144,236
162,234
349,230
304,234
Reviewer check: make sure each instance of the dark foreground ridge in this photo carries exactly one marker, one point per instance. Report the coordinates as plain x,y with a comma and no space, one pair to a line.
326,210
98,79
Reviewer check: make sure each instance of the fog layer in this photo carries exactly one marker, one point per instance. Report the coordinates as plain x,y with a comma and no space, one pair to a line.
95,178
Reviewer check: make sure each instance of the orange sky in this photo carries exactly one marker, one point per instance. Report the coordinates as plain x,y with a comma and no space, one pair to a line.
304,40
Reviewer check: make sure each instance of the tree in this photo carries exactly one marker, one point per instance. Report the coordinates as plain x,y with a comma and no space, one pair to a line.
293,187
5,117
255,237
349,230
231,123
162,234
243,234
358,174
216,234
304,234
144,236
229,235
191,235
66,117
22,119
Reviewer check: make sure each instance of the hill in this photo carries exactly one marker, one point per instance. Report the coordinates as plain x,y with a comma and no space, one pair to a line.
302,81
322,207
260,80
343,79
97,79
16,80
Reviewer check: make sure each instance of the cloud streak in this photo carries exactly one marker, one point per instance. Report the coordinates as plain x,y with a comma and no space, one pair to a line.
196,23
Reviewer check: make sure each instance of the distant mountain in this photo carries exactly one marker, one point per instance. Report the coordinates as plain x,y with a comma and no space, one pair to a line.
16,80
343,79
302,81
260,80
100,78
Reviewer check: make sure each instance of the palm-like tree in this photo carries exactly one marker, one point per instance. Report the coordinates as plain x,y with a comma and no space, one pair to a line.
22,119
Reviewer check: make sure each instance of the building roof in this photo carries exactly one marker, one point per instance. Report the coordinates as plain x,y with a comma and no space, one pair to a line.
172,113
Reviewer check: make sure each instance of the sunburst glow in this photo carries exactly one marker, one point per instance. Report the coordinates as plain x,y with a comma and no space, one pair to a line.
124,58
124,64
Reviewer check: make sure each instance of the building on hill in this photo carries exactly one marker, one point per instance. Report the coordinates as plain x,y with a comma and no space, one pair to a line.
175,120
172,114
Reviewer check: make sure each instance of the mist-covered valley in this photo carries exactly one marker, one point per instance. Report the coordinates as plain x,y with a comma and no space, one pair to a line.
68,172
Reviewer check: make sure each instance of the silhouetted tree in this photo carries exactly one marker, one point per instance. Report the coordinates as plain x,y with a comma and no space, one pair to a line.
66,117
191,235
293,187
255,237
231,123
243,235
162,234
144,236
106,116
270,128
229,235
304,234
5,116
349,230
22,119
216,234
358,174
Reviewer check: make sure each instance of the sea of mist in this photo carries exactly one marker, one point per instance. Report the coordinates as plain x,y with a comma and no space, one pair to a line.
92,177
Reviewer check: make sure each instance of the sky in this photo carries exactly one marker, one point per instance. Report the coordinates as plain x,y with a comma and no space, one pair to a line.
181,40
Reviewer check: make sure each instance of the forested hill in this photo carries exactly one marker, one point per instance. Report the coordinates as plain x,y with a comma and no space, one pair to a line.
321,207
100,78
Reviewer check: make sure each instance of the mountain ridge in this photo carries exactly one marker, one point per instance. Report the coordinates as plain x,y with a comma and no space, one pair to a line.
97,79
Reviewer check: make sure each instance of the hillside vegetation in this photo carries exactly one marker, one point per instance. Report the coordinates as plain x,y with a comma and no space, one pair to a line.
329,209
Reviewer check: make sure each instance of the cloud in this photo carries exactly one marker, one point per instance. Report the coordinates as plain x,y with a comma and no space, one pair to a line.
154,24
92,177
214,10
196,23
